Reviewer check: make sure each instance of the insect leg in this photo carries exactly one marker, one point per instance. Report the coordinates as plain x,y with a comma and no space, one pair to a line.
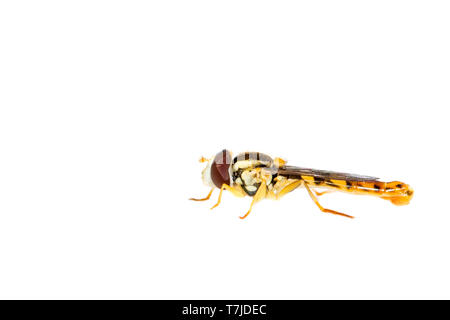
259,195
313,197
288,188
238,192
204,199
323,192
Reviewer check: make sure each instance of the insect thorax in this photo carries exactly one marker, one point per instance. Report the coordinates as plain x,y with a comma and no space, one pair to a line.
247,171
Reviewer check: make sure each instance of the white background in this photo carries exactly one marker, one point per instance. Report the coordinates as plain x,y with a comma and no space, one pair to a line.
106,107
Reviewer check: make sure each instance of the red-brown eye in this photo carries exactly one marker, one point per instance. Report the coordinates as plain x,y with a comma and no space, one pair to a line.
219,168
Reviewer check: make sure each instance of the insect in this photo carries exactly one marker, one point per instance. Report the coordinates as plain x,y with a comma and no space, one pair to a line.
259,176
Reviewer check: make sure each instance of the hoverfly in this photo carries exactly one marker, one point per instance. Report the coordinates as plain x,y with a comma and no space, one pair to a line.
259,176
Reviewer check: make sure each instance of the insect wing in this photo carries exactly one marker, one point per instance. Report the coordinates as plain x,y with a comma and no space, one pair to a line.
297,172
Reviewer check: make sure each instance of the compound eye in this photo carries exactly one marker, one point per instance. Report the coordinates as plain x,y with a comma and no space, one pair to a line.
219,168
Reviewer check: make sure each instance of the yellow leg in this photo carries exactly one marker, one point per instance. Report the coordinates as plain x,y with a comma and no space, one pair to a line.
259,195
237,191
322,208
322,193
204,199
286,189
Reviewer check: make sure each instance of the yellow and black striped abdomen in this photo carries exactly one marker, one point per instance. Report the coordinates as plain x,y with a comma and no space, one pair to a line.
397,192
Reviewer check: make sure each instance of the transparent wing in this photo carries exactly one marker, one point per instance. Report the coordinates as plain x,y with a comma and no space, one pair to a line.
297,172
